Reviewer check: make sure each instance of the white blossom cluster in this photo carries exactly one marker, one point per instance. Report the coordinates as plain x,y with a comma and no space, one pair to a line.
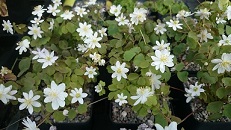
193,91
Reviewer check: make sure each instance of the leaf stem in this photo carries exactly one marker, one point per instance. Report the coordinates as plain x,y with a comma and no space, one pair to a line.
97,101
143,37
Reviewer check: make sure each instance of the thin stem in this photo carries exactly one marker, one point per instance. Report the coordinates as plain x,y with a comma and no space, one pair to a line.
177,89
143,36
14,63
97,101
13,123
48,115
186,117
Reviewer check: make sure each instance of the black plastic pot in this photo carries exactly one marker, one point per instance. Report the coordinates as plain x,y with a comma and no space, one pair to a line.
182,109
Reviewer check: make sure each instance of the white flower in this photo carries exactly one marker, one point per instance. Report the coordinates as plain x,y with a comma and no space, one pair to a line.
51,24
228,12
29,101
121,99
130,27
7,26
98,88
155,82
35,31
82,47
77,95
142,95
160,28
56,95
203,13
65,112
67,15
53,10
139,15
84,29
6,94
119,71
37,20
93,41
80,11
161,46
90,72
22,46
102,32
220,19
90,2
56,2
115,9
174,24
38,10
4,71
188,95
172,126
122,20
53,128
204,35
225,40
47,58
95,57
162,59
37,53
195,90
223,64
183,14
102,62
30,125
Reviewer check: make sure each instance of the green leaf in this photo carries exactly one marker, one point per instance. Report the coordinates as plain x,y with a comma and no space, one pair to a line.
82,108
228,29
142,112
58,116
226,81
24,65
58,77
49,108
79,72
183,76
71,27
179,66
214,107
141,81
221,92
165,89
49,70
128,55
111,95
214,116
152,101
227,111
160,119
192,40
71,114
179,49
133,76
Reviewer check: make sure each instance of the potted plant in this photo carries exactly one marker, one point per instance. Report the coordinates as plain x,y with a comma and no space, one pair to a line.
58,64
200,41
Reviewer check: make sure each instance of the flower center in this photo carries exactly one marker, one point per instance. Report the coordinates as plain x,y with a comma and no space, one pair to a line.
1,94
225,63
54,94
48,58
77,95
163,58
90,72
195,89
28,102
119,71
